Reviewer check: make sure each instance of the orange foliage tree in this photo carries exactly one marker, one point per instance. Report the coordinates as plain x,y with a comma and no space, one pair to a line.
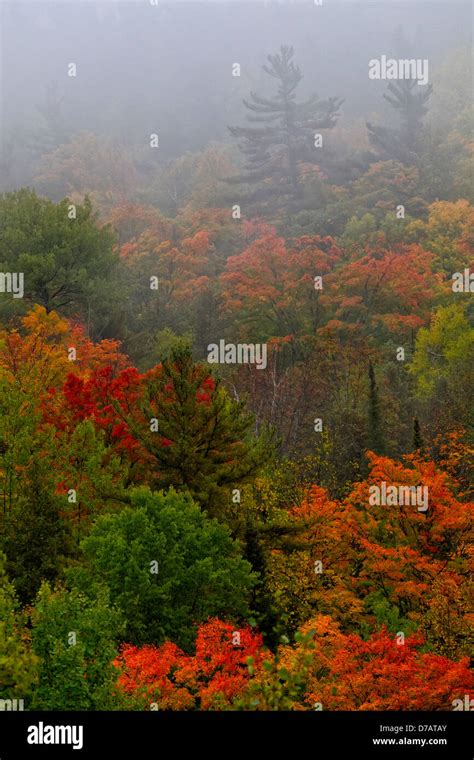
325,669
208,679
369,564
381,672
273,285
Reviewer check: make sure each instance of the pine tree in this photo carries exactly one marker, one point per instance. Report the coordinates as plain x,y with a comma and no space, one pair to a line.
409,100
376,441
275,150
203,443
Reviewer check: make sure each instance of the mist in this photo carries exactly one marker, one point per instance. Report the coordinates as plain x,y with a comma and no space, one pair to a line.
167,69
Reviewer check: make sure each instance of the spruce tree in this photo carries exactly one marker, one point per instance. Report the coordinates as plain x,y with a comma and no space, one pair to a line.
285,136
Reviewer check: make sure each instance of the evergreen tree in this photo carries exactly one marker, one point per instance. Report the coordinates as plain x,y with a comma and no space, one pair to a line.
276,150
417,439
203,444
376,441
409,100
51,131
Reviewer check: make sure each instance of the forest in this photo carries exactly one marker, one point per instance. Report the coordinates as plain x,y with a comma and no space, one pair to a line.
236,357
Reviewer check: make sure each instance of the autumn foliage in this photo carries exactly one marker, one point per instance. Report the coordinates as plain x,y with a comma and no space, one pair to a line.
209,679
381,672
341,671
180,531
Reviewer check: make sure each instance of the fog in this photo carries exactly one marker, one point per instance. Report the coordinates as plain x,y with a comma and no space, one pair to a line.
167,68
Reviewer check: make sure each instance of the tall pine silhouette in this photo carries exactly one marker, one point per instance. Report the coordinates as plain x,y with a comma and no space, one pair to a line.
409,100
285,135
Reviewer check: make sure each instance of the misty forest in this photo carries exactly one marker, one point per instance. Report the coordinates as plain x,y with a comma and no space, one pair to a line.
236,355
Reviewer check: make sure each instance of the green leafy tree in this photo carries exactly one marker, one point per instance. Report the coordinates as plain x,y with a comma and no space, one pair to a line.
34,537
68,263
443,367
32,534
86,463
18,429
74,635
168,567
